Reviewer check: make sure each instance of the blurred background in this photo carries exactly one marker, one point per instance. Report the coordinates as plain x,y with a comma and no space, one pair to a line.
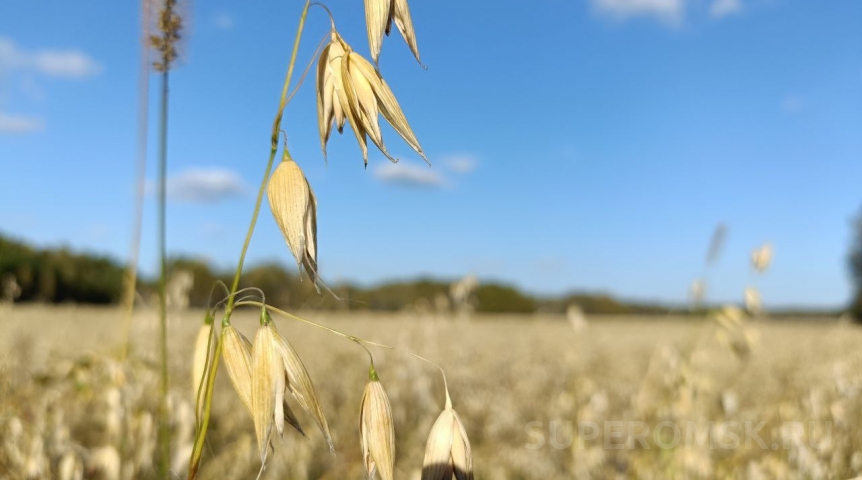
642,209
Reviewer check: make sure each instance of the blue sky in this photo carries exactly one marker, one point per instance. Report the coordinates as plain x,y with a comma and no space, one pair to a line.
576,144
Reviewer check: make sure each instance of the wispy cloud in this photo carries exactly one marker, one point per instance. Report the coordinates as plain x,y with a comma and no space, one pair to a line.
19,124
792,104
670,11
723,8
73,64
223,20
461,163
203,185
409,175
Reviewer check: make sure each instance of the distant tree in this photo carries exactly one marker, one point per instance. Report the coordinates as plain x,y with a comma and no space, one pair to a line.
282,289
495,298
856,269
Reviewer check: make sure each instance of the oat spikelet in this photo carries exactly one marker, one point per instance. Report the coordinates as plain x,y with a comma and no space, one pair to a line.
276,369
294,208
267,388
350,89
236,353
377,430
379,16
299,384
448,451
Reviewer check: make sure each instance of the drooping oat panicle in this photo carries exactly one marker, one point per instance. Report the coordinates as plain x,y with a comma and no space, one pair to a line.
294,208
236,353
448,452
202,359
377,430
379,16
761,257
350,88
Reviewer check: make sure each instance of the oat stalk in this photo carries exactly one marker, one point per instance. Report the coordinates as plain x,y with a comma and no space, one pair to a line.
276,127
197,450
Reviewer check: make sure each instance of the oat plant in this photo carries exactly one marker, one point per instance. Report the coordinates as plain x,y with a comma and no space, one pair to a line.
266,372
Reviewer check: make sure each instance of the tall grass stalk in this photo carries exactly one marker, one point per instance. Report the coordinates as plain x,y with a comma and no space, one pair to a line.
131,278
170,25
164,414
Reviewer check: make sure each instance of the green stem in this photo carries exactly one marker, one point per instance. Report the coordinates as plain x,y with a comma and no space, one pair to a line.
276,126
318,325
194,462
198,449
164,415
353,338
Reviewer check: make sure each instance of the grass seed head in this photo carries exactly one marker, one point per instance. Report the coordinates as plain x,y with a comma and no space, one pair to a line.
294,208
377,431
379,16
761,257
350,88
696,292
752,300
448,451
237,359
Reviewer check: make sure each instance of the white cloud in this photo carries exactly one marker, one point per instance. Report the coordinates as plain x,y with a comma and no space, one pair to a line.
671,11
461,163
53,63
203,185
18,124
792,104
409,175
223,21
723,8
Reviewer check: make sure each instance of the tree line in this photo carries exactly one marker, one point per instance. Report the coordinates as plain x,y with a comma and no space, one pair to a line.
58,275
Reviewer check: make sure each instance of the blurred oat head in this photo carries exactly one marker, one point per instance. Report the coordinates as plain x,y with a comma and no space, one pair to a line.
761,257
577,319
696,292
463,295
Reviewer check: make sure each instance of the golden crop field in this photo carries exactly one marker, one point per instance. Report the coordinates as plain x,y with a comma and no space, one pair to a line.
539,399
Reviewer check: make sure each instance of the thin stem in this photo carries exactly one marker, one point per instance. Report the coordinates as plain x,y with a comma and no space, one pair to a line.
442,372
305,73
318,325
361,341
164,421
276,126
140,181
197,451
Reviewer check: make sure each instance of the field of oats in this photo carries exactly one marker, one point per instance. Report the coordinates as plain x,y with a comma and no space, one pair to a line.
526,389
